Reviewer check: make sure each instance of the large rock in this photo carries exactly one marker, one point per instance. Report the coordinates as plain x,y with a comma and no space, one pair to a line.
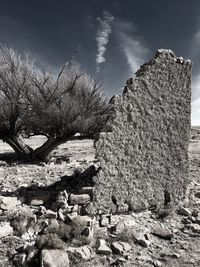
54,258
144,153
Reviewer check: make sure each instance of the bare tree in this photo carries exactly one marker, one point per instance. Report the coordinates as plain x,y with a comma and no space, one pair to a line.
42,103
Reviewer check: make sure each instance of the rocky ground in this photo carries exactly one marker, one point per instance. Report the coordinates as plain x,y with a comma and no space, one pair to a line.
44,221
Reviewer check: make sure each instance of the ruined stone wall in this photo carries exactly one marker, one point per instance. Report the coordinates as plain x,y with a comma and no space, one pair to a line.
144,159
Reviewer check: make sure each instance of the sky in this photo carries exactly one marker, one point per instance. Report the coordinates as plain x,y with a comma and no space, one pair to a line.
109,38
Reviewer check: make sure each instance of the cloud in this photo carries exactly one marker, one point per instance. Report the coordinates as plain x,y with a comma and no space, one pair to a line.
194,55
131,44
102,37
195,118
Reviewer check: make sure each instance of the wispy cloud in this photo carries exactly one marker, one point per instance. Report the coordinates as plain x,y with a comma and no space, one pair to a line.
102,37
131,44
195,54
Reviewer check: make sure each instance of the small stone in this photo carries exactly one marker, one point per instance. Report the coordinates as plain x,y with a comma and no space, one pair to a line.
102,248
186,220
75,208
184,211
9,203
82,199
103,222
62,199
5,229
3,163
195,212
71,216
36,198
142,239
50,214
162,233
86,220
157,263
26,236
81,253
122,208
54,258
120,248
195,228
42,210
61,215
120,227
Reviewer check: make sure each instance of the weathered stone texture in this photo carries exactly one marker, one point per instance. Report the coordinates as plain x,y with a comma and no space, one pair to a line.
144,159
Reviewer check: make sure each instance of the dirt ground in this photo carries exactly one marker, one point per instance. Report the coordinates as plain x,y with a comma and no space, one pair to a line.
183,250
64,159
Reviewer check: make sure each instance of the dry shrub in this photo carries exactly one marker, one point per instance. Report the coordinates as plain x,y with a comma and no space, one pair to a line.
21,220
73,232
64,231
79,232
50,241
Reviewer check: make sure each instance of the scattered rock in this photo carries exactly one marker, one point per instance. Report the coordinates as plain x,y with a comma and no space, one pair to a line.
75,208
120,227
50,214
54,258
195,228
102,248
5,229
29,235
120,248
122,208
142,239
36,198
42,210
71,216
184,211
157,263
162,233
9,203
82,199
186,220
61,216
3,163
105,220
62,199
81,253
195,212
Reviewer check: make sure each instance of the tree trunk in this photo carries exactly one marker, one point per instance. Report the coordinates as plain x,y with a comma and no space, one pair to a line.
42,152
26,153
21,149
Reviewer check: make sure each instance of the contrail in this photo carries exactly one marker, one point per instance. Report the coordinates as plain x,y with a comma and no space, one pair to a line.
102,38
